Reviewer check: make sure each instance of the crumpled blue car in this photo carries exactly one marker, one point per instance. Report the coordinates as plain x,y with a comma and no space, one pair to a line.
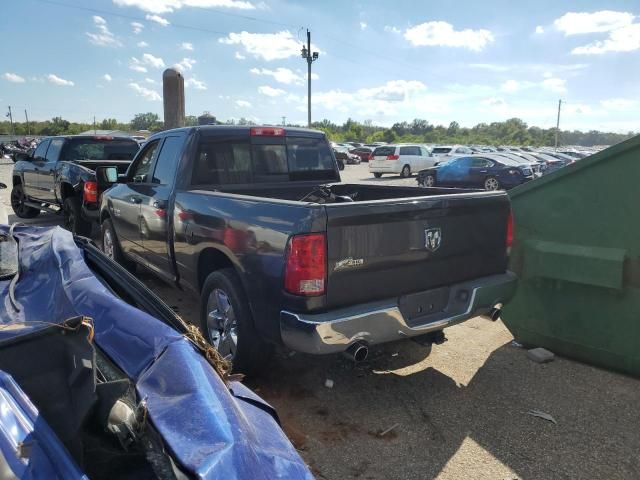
100,379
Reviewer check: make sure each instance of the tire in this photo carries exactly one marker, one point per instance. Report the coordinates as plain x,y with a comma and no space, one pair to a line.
406,171
227,324
491,184
17,203
111,246
377,174
73,220
430,181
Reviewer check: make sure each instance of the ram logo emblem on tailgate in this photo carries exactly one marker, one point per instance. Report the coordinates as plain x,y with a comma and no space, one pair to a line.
432,239
348,262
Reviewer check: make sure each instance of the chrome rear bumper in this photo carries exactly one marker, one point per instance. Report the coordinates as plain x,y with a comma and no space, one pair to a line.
383,321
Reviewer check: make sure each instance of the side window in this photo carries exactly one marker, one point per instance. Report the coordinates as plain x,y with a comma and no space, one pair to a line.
142,164
406,151
41,150
416,151
222,163
423,152
53,153
466,162
167,162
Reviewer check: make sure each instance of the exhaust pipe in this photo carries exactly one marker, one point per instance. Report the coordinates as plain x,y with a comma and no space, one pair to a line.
493,314
357,352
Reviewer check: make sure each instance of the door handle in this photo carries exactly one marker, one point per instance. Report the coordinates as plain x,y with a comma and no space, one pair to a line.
161,204
483,171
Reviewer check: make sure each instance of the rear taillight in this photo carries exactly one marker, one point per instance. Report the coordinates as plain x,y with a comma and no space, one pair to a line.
371,157
90,192
510,231
306,265
393,157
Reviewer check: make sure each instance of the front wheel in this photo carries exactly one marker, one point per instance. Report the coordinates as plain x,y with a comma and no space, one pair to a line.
430,181
111,246
491,184
18,199
406,171
227,323
377,174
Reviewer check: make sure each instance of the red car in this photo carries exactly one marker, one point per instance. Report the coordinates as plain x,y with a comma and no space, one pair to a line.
362,152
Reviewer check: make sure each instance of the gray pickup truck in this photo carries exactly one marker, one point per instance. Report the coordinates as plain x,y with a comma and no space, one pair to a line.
256,221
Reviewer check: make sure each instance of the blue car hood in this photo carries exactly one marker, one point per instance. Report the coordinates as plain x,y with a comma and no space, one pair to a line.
211,430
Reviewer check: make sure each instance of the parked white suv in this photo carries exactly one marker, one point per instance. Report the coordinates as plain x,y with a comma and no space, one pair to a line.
399,159
451,151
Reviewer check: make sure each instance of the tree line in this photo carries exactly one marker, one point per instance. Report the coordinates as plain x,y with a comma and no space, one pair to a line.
510,132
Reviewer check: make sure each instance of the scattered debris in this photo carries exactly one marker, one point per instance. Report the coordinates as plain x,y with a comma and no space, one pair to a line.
543,415
328,383
291,353
391,428
540,355
516,344
394,354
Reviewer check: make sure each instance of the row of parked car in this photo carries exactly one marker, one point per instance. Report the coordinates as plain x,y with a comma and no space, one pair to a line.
469,166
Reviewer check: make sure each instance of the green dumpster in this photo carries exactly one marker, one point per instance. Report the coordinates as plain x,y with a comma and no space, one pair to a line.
577,253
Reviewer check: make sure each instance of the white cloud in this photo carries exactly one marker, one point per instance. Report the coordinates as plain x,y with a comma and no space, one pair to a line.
150,81
443,34
511,86
624,39
619,103
186,46
267,46
539,29
151,61
13,78
243,103
168,6
281,75
103,36
270,91
392,29
185,64
56,80
142,44
393,91
574,23
197,84
145,93
136,66
494,102
239,56
363,25
557,85
157,19
107,77
137,27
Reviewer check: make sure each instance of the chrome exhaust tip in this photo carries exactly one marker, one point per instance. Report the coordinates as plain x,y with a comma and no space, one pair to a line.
357,352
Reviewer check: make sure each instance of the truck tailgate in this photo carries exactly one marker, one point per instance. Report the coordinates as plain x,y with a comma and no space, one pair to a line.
389,248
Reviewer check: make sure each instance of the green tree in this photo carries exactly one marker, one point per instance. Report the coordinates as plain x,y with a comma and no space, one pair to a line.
145,121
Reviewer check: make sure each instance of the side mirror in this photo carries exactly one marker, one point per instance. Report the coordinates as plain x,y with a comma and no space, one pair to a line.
22,157
106,177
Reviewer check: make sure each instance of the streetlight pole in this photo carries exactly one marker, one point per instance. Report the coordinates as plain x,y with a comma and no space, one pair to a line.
558,123
310,58
10,115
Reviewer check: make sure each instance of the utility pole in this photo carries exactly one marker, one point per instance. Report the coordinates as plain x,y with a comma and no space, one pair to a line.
558,123
10,115
310,58
27,118
94,124
284,121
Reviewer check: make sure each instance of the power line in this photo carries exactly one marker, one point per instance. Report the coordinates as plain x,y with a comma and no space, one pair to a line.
171,24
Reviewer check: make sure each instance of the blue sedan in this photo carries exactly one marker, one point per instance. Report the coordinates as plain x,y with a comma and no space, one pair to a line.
489,172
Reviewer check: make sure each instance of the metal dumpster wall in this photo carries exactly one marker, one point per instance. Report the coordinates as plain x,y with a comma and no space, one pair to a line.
577,254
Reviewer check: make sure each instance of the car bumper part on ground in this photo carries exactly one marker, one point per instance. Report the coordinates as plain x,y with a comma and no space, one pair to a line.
384,321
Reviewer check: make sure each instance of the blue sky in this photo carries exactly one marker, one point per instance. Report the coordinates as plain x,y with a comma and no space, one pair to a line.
382,61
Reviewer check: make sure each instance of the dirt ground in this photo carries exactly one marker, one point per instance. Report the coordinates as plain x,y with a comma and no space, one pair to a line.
459,413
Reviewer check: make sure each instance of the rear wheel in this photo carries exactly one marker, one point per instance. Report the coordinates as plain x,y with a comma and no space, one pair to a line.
491,184
406,171
73,220
430,181
377,174
18,199
111,246
227,323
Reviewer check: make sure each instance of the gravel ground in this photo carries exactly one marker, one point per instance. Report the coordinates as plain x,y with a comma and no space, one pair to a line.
459,413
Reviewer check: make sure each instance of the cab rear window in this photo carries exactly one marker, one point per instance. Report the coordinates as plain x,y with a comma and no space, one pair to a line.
384,151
